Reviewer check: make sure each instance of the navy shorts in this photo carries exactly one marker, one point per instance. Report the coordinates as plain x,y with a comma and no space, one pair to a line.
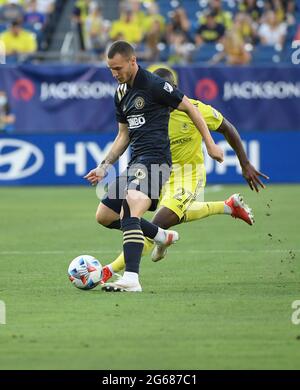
148,178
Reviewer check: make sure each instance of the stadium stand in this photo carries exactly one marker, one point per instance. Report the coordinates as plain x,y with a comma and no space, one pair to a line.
37,18
80,30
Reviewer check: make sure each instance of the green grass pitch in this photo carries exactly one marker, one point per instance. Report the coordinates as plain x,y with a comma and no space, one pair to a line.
221,300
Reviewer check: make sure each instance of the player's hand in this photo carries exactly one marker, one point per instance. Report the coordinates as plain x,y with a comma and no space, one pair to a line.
95,175
252,176
215,152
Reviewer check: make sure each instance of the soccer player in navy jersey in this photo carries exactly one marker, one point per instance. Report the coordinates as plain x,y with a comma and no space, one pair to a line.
143,102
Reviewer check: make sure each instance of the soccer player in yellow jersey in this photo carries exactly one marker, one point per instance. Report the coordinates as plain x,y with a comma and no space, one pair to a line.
179,202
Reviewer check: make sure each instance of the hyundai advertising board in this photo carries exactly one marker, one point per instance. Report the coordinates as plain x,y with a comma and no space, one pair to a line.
65,159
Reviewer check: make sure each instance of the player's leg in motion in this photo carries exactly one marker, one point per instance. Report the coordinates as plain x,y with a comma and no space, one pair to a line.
134,206
234,206
108,213
108,216
118,264
166,218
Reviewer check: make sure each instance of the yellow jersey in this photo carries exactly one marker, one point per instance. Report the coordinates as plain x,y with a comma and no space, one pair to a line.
185,138
25,42
130,31
188,177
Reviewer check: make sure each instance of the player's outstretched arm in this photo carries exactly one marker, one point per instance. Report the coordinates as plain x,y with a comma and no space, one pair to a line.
118,147
251,175
213,150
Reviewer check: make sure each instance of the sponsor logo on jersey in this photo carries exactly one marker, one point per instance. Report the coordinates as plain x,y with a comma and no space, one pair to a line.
168,87
139,103
136,121
181,141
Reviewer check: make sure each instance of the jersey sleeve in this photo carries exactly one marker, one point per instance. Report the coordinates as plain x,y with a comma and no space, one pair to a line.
212,117
166,95
119,114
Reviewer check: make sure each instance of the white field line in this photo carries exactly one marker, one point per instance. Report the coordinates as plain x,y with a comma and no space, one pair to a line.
191,251
214,188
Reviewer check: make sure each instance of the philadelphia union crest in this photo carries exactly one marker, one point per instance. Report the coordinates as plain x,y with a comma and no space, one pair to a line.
139,103
140,174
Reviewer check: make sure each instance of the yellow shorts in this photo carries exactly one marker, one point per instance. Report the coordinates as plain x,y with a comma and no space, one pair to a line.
180,191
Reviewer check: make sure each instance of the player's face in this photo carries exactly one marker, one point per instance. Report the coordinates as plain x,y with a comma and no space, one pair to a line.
122,68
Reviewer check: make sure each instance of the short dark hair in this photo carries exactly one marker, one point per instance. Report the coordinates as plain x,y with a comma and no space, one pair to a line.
16,23
167,75
120,47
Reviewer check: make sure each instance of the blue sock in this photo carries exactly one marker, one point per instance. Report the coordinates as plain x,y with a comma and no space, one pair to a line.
147,227
133,243
115,225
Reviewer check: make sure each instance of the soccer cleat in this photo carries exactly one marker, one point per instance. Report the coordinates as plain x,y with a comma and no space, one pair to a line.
160,249
106,274
239,209
122,285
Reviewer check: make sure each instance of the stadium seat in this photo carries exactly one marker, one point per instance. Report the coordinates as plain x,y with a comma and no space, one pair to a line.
165,7
265,54
290,34
3,27
191,8
287,53
164,53
205,52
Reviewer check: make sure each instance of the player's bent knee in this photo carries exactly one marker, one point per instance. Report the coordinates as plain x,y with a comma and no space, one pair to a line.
107,222
165,218
105,216
101,219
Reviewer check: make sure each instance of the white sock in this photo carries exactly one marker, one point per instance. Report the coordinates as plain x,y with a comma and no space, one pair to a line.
131,276
160,236
227,209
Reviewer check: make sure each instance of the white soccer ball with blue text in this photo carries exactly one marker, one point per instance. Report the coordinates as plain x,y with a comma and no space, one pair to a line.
85,272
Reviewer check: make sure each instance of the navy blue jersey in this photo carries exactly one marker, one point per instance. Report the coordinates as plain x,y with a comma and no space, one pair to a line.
145,108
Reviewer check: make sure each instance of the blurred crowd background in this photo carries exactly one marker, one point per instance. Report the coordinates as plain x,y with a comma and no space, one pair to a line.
233,32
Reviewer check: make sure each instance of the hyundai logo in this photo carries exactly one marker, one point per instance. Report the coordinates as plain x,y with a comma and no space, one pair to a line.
22,158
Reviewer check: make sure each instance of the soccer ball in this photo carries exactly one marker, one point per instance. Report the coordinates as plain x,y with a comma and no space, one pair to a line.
85,272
